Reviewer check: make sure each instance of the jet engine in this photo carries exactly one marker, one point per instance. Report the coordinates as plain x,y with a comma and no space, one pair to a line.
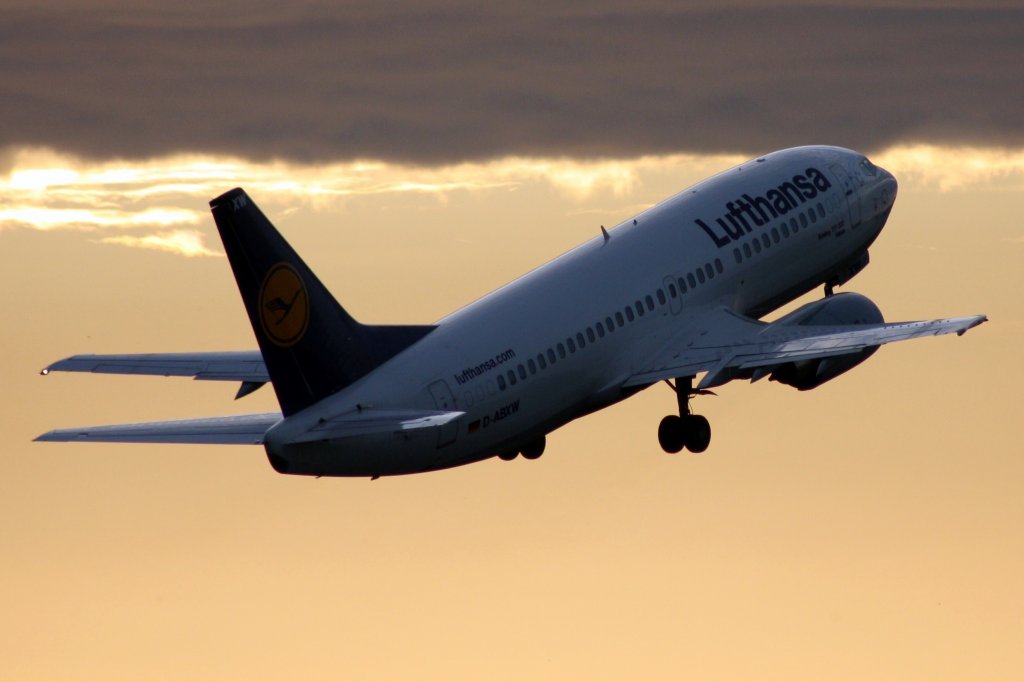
840,309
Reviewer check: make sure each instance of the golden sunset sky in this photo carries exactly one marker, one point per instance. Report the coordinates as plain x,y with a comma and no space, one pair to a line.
869,529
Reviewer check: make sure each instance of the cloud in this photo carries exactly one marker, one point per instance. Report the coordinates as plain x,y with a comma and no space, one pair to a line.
166,197
438,82
54,179
46,190
947,169
43,188
47,218
182,242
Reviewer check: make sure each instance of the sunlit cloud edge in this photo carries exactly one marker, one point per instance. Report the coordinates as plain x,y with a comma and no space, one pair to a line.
188,243
45,189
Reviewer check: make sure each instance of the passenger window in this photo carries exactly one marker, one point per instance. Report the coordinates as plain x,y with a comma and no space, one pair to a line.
792,224
766,241
571,344
661,297
561,351
608,322
692,282
812,216
522,371
821,210
600,329
501,383
541,361
672,291
710,270
533,365
700,276
785,230
718,266
803,220
650,302
619,320
590,335
551,355
630,315
775,235
639,308
580,341
757,245
511,378
682,285
737,255
746,250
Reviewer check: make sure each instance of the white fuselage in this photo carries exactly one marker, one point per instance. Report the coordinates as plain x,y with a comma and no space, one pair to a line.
493,358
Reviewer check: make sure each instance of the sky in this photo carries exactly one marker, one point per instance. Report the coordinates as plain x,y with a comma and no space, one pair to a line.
419,155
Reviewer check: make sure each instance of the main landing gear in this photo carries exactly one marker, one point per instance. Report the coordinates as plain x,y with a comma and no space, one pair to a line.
690,431
532,450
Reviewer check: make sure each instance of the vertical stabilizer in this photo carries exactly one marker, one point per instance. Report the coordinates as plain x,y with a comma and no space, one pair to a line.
312,348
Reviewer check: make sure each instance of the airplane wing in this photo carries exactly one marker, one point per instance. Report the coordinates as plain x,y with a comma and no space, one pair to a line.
723,342
217,366
249,429
246,429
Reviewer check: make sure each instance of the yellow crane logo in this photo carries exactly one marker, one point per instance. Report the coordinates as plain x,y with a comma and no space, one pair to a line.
284,305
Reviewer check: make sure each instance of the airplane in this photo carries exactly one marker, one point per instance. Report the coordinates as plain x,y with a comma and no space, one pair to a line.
672,293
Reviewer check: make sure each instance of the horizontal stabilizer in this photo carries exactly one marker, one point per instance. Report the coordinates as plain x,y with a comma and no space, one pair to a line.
246,365
246,429
370,421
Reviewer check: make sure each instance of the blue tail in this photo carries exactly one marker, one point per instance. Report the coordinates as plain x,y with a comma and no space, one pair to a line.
312,348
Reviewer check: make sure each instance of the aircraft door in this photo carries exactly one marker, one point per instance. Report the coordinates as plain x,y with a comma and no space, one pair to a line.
445,401
850,187
675,302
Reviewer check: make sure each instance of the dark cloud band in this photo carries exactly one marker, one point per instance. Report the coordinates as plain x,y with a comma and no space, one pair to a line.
439,82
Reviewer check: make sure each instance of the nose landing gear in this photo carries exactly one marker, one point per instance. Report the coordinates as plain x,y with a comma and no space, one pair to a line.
690,431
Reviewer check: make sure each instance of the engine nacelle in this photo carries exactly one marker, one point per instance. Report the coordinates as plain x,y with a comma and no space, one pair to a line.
841,309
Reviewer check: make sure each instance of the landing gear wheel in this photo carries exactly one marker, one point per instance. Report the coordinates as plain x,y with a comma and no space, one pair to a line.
508,456
698,433
535,449
671,434
688,430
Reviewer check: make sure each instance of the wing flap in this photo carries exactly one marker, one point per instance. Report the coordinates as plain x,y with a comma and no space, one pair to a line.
851,339
726,341
246,429
245,366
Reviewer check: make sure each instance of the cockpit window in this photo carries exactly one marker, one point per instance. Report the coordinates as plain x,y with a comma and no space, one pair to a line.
868,168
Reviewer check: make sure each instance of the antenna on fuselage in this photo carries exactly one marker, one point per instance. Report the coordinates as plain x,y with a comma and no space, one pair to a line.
605,233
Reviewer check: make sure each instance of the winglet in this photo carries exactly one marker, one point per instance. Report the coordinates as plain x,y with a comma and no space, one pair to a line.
973,322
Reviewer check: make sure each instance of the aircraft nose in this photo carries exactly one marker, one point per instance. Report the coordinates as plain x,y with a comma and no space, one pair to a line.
887,186
889,180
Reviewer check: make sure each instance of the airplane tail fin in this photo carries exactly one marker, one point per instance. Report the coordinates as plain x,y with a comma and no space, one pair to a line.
312,348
